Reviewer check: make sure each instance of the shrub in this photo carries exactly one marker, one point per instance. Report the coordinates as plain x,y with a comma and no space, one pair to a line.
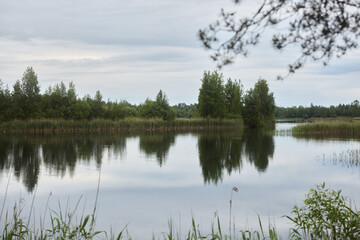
325,215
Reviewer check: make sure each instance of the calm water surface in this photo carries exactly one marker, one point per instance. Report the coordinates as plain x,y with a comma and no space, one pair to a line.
146,179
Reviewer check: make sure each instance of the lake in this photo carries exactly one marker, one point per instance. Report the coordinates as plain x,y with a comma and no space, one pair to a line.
148,178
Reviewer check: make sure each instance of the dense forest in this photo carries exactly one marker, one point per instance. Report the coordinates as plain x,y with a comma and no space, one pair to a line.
341,110
217,100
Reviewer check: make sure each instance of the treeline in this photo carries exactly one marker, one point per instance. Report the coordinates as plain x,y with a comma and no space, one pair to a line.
341,110
217,100
61,102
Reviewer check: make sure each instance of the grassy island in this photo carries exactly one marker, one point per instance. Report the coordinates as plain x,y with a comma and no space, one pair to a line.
329,128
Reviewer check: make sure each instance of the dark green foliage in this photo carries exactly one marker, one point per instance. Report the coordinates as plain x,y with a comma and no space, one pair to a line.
165,111
30,92
157,145
233,97
116,111
157,109
259,146
259,105
251,112
58,102
186,111
5,103
219,153
267,101
149,109
17,102
217,100
325,215
342,110
97,105
80,110
211,98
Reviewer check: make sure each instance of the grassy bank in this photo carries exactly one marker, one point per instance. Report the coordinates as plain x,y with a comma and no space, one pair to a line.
329,128
128,124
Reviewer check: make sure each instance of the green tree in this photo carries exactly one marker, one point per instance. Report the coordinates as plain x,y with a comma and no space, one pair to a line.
97,106
71,100
27,95
148,109
259,109
5,103
321,29
55,101
17,99
233,97
267,101
80,110
162,102
251,111
186,111
159,108
116,110
211,98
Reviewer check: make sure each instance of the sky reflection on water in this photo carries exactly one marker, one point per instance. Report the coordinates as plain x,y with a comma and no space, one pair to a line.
148,178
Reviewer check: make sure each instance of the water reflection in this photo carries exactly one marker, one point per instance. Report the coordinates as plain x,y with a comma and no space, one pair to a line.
219,152
59,154
259,147
157,144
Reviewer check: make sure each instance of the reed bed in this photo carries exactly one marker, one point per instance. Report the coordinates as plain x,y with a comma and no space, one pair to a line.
349,158
104,125
333,128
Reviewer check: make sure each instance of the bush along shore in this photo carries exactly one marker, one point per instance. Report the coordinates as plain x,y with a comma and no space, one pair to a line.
325,214
105,125
329,128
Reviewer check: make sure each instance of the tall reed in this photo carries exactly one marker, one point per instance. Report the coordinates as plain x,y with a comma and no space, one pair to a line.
333,128
105,125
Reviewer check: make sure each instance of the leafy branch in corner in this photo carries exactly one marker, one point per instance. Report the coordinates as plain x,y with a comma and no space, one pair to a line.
321,29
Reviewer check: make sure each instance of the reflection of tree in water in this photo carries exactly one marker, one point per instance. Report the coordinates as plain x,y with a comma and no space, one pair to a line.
218,151
226,150
24,157
61,153
259,146
157,144
58,153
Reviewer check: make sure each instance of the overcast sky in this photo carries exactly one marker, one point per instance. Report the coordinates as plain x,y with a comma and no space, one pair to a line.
129,50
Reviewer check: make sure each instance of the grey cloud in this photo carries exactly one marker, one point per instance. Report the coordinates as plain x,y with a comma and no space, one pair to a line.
106,22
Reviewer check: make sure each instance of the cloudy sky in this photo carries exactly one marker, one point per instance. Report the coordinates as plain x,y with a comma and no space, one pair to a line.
130,49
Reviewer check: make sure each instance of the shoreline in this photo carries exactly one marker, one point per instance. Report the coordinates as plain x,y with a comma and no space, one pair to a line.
124,125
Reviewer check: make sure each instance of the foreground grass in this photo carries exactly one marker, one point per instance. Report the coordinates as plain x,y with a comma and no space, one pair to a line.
65,225
333,128
103,125
326,214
